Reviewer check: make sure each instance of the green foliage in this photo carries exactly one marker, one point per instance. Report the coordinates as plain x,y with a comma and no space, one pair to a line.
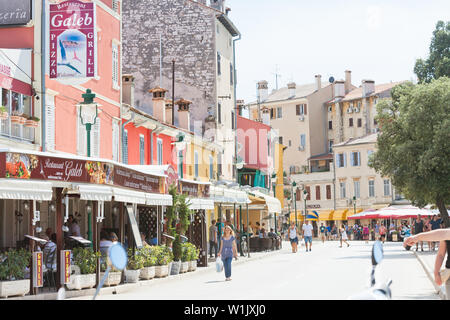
3,109
184,252
192,251
414,144
13,265
85,259
176,248
438,63
150,256
136,261
163,255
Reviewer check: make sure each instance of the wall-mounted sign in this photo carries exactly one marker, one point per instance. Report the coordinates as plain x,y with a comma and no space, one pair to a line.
17,12
313,206
73,40
38,273
65,266
194,190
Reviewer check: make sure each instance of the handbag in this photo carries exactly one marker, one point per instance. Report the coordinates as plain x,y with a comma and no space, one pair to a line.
219,264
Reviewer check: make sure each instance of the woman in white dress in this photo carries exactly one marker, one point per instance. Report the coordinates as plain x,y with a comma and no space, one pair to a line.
343,237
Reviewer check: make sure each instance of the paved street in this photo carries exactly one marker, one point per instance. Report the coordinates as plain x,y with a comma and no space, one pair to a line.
327,272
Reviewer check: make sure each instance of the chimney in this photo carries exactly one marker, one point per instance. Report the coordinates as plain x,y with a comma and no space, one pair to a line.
169,111
368,87
292,86
240,106
266,116
218,5
348,81
339,89
318,82
128,89
184,120
263,91
159,103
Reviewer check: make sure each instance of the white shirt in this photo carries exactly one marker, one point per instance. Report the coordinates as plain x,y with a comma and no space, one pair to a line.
308,228
292,233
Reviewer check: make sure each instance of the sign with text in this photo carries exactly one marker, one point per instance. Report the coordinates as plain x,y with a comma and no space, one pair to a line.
17,12
192,189
65,266
38,273
73,40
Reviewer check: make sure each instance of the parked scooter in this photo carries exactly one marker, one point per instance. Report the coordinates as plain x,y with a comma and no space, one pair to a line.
381,291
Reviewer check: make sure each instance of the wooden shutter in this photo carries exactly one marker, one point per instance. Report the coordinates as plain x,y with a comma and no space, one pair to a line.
305,109
50,123
297,110
328,192
81,136
308,189
95,139
317,192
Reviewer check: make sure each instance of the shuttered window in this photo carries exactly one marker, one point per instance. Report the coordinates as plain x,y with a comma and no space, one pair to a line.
50,123
308,190
115,65
160,151
328,192
95,139
317,192
141,149
115,140
125,146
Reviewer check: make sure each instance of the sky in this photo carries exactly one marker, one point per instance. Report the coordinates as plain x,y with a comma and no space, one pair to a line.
297,39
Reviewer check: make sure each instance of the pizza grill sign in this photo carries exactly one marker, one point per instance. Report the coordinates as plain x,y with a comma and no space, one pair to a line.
72,40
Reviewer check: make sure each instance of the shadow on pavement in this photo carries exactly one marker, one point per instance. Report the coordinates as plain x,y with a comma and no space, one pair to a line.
214,281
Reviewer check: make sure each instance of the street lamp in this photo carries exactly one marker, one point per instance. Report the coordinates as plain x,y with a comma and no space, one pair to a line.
88,115
305,195
354,205
294,197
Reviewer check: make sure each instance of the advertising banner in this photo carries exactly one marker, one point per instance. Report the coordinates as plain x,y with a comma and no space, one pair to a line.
17,12
65,266
38,273
73,40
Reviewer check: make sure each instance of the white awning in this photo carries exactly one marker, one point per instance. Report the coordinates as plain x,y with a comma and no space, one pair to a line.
273,204
25,190
95,192
129,196
198,204
155,199
241,197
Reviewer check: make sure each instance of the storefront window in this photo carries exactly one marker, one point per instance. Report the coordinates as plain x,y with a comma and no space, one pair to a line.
26,105
5,98
16,107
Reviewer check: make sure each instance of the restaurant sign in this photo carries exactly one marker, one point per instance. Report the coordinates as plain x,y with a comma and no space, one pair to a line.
192,189
65,266
17,12
38,273
73,40
37,167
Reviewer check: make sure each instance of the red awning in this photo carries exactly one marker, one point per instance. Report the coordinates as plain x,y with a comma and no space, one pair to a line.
15,85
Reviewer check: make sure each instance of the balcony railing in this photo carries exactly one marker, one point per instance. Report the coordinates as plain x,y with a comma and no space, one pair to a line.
16,131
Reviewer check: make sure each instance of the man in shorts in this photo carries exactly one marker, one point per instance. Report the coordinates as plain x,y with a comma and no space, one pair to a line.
418,228
322,232
307,234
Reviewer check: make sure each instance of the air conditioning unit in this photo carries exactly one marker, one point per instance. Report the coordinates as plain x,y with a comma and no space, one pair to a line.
301,148
301,118
350,110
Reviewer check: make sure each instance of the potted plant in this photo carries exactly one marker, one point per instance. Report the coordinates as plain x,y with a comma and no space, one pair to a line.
114,275
19,119
176,249
32,122
13,265
3,113
184,258
163,258
134,266
150,259
192,257
395,236
85,263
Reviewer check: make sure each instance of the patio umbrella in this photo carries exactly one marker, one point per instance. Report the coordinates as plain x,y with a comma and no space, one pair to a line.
313,216
367,214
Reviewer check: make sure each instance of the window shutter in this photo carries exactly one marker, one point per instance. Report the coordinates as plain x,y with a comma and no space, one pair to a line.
115,140
308,189
338,160
95,139
317,192
50,123
81,137
305,112
345,159
359,158
297,110
328,192
115,65
125,147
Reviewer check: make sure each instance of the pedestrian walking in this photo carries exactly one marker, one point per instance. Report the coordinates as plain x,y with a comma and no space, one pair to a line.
213,239
435,224
227,251
418,228
343,237
366,233
322,232
307,234
328,232
334,232
293,237
382,232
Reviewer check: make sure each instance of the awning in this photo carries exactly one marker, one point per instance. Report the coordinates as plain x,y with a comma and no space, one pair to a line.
200,204
340,215
25,190
155,199
299,216
95,192
352,212
242,197
129,196
326,215
273,204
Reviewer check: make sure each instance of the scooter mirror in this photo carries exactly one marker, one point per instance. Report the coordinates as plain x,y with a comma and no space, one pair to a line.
118,256
377,253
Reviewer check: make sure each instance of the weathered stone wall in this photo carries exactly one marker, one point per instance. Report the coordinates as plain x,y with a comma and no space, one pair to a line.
188,36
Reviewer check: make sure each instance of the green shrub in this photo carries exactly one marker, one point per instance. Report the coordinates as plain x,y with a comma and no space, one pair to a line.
85,259
163,254
192,251
136,260
184,252
14,263
150,256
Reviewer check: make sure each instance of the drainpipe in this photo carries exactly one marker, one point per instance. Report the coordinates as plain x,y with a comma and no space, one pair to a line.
235,107
123,133
43,56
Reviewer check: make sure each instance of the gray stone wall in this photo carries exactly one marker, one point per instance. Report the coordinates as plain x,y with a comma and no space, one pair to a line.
188,36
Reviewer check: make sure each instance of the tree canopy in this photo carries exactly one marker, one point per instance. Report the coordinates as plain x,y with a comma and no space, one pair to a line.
438,63
414,142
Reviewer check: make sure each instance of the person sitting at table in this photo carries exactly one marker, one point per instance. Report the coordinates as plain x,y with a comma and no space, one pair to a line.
105,243
49,250
272,234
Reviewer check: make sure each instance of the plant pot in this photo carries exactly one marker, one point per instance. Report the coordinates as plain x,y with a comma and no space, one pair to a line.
161,271
4,115
31,124
81,281
192,265
132,276
394,237
113,278
175,269
184,267
14,288
147,273
18,119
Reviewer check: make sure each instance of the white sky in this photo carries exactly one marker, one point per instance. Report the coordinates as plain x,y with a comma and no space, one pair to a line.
375,39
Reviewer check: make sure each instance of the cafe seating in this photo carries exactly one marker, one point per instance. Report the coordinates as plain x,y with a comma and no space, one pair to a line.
48,269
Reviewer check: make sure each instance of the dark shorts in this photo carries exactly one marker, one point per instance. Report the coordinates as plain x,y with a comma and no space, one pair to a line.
294,240
308,239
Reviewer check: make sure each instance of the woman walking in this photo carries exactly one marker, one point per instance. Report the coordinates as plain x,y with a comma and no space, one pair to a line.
366,233
343,237
227,251
293,237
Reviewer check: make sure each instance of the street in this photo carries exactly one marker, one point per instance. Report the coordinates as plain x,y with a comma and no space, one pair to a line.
326,273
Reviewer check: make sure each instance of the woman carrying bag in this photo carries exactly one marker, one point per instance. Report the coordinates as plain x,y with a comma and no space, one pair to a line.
228,250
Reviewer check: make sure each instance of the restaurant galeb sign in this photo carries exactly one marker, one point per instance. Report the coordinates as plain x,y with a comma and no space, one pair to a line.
36,167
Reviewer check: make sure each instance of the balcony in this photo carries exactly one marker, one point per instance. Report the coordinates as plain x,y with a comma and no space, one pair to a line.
17,131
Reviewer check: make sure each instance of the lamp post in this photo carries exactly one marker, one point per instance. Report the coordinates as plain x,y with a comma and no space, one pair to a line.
305,195
294,197
88,115
354,205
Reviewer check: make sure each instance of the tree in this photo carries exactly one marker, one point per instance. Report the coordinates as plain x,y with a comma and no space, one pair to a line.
438,63
414,143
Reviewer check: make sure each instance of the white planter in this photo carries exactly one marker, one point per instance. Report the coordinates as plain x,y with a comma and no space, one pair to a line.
14,288
113,278
175,269
192,265
184,267
81,281
147,273
161,271
132,276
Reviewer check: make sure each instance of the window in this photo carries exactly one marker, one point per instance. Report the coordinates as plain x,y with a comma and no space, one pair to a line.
141,149
279,112
231,74
303,140
371,188
356,187
330,125
272,113
359,123
290,143
211,167
328,192
125,146
308,190
300,109
159,151
219,113
330,146
317,192
341,160
219,72
350,122
115,65
355,159
280,140
196,164
330,108
342,189
387,188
